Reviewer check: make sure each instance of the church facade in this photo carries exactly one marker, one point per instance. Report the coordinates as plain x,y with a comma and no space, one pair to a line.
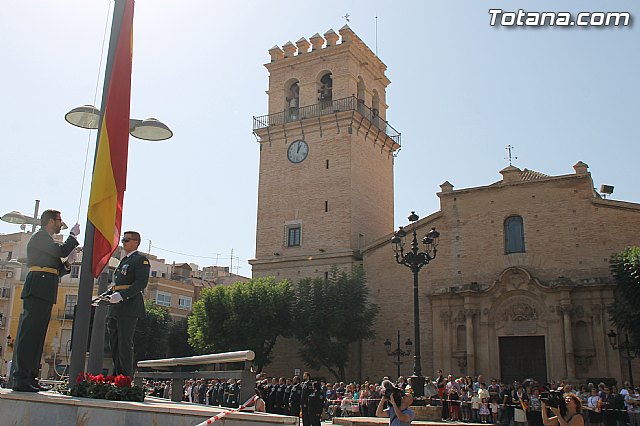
521,281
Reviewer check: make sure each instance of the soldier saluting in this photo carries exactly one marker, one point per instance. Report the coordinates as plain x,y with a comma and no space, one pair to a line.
127,305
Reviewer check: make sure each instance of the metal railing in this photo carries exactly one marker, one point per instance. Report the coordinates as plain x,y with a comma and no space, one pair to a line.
325,108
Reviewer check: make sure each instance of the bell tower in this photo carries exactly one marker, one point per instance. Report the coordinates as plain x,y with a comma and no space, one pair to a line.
326,157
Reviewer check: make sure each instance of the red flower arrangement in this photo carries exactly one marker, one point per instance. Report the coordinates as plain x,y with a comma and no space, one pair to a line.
116,388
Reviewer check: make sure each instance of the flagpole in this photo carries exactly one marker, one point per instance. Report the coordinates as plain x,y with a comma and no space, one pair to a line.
85,287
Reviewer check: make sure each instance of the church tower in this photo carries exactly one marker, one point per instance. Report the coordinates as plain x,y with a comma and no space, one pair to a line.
326,157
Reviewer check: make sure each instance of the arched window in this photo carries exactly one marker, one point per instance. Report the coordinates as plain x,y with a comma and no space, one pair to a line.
361,94
513,235
293,101
375,108
293,95
325,93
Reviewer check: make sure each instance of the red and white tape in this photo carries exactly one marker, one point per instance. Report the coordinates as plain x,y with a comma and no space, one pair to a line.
218,416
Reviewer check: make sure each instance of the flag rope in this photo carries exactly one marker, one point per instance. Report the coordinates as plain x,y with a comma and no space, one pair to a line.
95,97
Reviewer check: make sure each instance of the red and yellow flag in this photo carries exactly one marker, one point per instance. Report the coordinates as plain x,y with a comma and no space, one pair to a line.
110,166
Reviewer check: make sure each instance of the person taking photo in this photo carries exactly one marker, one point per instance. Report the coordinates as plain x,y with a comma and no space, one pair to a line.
398,416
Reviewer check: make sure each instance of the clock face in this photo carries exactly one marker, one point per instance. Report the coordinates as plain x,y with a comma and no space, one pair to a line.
298,151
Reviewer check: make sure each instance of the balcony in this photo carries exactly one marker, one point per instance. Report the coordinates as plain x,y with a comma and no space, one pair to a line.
326,108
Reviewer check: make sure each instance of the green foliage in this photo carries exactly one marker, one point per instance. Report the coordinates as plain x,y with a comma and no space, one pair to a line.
150,339
178,339
625,310
329,315
243,316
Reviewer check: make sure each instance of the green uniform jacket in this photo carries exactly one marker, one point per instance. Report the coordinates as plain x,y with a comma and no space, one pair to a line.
133,271
42,250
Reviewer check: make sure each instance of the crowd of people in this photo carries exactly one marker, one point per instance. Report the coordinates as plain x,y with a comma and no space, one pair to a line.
463,399
478,400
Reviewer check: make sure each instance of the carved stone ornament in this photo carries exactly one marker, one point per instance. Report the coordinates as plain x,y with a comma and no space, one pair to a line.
519,311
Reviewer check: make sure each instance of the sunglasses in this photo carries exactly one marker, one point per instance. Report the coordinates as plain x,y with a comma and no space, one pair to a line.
126,240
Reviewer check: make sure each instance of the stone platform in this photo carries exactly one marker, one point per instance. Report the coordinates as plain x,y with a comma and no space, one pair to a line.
50,408
375,421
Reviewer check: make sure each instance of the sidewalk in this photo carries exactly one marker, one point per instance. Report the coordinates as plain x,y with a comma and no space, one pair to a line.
377,421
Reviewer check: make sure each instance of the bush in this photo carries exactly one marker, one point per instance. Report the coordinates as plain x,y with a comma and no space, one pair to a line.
114,388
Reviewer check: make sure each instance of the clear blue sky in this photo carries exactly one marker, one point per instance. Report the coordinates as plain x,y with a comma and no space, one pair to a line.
461,91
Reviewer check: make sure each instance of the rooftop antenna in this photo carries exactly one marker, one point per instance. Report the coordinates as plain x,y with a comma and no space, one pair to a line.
510,157
376,35
346,17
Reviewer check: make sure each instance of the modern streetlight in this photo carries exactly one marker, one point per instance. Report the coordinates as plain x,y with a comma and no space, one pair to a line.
23,220
623,346
415,259
398,353
150,129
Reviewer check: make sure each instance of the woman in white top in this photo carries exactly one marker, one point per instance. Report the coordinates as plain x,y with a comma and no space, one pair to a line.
594,403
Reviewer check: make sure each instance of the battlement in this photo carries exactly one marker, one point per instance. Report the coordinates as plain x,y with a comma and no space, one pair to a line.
317,42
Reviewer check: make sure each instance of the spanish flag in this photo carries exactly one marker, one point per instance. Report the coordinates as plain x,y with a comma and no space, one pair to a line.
523,404
110,166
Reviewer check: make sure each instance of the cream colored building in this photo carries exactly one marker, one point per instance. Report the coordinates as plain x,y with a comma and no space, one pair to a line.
531,303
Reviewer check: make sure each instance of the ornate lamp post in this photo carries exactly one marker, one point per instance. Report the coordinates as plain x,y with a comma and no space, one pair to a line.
623,346
415,259
398,352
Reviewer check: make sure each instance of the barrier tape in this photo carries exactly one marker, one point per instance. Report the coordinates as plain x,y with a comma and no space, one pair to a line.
218,416
461,402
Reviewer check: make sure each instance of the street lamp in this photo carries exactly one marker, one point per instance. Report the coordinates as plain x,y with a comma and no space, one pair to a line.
150,129
398,352
623,346
415,259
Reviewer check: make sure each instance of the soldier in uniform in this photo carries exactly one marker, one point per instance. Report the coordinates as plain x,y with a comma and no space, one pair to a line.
234,394
272,405
282,386
294,399
307,388
316,404
286,408
213,392
221,393
38,297
127,305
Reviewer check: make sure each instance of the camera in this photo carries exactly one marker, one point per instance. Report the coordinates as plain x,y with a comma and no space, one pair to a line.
555,399
391,391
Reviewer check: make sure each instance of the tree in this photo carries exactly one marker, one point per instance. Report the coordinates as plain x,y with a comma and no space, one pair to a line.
329,315
625,310
244,316
150,339
178,339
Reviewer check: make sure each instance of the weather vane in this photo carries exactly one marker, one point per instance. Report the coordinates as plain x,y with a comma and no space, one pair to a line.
346,17
511,157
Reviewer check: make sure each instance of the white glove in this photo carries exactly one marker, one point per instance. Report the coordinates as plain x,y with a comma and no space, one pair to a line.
72,256
75,231
115,298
